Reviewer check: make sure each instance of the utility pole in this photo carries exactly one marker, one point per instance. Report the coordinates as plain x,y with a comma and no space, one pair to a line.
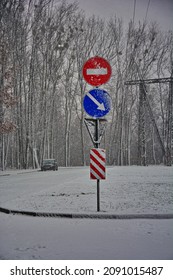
141,126
1,118
169,127
144,103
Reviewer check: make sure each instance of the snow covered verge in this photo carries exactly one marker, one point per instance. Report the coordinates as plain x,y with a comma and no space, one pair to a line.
127,190
35,238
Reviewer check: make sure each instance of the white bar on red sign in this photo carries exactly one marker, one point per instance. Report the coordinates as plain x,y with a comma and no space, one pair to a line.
98,164
97,71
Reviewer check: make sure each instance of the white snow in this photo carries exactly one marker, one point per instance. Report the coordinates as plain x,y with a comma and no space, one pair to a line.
55,238
127,190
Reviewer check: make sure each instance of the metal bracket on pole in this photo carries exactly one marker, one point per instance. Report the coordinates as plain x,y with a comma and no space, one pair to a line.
91,127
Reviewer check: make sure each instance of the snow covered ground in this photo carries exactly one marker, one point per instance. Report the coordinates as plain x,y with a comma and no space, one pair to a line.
127,190
23,237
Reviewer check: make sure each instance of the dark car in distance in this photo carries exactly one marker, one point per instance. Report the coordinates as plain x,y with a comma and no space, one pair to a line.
49,164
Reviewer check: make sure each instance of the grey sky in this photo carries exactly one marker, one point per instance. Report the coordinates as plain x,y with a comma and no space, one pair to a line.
159,10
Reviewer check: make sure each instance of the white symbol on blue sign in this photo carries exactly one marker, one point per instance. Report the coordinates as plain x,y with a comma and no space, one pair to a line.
97,103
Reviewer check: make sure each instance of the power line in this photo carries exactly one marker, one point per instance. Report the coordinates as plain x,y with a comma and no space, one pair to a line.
134,10
147,10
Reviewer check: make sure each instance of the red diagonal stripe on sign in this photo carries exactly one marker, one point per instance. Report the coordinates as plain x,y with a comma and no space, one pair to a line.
92,176
96,171
97,162
98,154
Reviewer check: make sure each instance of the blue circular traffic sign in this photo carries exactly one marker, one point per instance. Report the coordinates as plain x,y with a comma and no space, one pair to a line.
97,103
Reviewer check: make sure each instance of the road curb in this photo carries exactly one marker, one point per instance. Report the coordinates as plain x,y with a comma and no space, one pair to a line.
87,216
19,172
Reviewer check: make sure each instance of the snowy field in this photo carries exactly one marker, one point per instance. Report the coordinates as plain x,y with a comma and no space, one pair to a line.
127,190
32,238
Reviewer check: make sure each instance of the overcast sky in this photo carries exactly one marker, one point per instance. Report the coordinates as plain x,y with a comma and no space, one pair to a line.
158,10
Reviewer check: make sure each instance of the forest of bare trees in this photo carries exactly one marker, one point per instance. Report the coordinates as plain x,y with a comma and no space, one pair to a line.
43,46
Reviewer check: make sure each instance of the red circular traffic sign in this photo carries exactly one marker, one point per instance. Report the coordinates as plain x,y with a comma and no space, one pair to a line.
96,71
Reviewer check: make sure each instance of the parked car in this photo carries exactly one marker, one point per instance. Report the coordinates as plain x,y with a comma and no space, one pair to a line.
49,164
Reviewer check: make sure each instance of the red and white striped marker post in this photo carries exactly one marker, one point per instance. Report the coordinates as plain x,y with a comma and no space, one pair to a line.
98,169
97,164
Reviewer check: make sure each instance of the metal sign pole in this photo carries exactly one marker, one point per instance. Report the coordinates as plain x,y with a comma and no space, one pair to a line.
97,146
97,103
98,195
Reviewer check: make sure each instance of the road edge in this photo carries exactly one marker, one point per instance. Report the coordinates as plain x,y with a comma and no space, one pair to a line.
99,215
